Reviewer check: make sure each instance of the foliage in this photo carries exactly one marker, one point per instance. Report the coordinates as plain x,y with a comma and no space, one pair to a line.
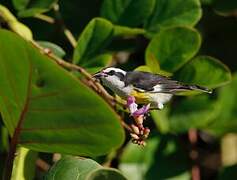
49,103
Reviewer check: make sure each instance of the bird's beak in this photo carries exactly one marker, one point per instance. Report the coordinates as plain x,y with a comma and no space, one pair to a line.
99,75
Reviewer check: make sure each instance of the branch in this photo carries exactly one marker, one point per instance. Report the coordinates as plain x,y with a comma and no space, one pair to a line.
92,82
45,18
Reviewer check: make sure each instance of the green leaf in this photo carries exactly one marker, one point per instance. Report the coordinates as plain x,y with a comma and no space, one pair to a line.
226,120
128,13
81,169
225,8
170,160
106,174
27,8
90,49
205,71
193,112
57,50
54,111
127,31
173,13
161,120
95,37
173,47
135,160
228,172
24,164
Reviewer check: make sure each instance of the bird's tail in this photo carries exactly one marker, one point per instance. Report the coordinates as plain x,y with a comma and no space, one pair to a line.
200,88
196,88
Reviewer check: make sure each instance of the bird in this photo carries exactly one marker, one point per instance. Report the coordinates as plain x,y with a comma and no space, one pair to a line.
144,87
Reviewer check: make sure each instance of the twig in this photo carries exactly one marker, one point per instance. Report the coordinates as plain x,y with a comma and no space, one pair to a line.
42,165
45,18
110,99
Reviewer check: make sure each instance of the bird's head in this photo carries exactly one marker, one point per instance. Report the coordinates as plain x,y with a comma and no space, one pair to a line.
111,76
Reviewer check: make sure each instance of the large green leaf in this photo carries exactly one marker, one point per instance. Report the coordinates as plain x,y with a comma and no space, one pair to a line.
169,13
173,47
54,111
204,70
81,169
128,13
28,8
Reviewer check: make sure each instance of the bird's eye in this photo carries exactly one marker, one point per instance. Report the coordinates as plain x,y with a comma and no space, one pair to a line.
111,73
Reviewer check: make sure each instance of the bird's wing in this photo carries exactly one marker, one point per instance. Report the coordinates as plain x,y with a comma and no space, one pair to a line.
144,81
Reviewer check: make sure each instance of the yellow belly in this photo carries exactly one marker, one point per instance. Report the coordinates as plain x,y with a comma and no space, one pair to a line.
141,97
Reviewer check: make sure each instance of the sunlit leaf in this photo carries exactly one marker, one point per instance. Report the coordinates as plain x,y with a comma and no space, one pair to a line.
173,47
205,71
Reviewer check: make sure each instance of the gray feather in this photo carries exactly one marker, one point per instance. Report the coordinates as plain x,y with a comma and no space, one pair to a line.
146,81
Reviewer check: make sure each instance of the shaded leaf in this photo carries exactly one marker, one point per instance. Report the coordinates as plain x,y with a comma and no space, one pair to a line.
4,139
81,169
170,160
56,112
135,161
27,8
226,120
169,13
193,112
173,47
57,50
205,71
106,174
161,120
229,172
128,13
